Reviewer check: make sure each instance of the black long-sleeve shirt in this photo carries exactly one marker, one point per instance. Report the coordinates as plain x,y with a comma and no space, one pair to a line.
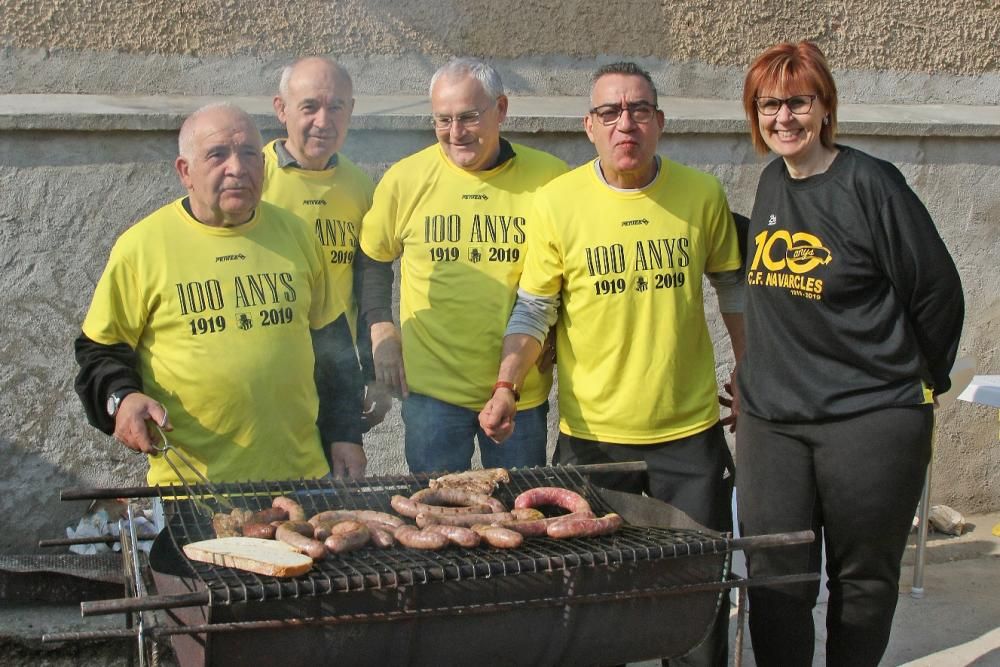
853,301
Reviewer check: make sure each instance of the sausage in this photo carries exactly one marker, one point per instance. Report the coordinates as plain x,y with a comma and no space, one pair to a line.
411,508
262,530
499,537
357,515
460,535
526,514
457,497
415,538
539,527
434,519
307,545
303,528
295,511
241,516
552,495
269,515
381,534
574,526
347,536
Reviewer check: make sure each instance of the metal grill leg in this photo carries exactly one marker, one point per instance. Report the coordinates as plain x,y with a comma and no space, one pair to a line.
741,614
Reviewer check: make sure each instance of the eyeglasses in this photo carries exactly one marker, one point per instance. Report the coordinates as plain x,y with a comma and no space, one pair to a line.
639,112
797,104
465,119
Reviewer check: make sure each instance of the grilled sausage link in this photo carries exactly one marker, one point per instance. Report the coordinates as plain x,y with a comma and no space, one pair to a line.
499,537
381,534
357,515
307,545
456,497
268,515
347,536
539,527
574,526
553,495
265,531
303,528
425,519
295,511
415,538
460,535
411,508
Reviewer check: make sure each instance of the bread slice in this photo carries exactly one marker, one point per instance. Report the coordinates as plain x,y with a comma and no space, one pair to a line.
268,557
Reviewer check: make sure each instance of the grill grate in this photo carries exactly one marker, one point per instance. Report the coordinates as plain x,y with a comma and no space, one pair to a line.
370,568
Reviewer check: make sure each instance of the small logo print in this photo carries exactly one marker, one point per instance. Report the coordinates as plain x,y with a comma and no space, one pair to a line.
230,258
773,220
633,223
475,196
314,202
475,256
245,322
641,284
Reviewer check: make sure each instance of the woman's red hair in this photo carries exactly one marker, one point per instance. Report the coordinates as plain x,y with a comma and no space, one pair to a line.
797,69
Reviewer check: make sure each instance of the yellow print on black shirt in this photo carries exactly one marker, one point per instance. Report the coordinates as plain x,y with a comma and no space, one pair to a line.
782,259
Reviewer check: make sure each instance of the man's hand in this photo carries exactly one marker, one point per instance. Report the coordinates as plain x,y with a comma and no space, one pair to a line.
349,460
387,354
131,427
731,401
377,402
497,416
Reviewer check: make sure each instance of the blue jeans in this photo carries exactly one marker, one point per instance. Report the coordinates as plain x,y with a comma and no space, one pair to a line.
440,437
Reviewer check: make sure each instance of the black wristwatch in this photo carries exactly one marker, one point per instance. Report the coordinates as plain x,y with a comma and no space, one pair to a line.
115,400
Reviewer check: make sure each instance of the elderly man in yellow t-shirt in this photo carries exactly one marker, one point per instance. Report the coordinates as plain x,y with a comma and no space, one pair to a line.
307,174
202,322
456,214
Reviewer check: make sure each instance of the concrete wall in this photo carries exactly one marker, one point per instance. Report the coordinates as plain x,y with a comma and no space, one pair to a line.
77,170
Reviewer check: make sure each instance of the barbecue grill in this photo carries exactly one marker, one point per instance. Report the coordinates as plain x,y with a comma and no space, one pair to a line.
650,590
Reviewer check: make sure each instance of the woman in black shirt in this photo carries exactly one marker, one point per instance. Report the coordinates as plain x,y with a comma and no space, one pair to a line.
853,314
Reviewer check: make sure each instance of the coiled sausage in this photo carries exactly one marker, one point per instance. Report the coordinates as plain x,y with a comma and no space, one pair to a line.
294,509
415,538
460,535
571,501
307,545
499,537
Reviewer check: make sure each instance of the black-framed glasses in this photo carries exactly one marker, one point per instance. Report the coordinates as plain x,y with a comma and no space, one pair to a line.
465,119
797,104
639,112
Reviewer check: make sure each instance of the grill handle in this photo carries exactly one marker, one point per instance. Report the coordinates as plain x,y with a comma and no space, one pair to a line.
773,540
146,603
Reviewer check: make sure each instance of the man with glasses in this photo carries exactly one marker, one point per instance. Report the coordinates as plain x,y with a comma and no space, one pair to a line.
617,251
457,215
306,174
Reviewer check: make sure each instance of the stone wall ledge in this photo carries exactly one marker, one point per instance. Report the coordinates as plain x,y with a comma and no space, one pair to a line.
106,113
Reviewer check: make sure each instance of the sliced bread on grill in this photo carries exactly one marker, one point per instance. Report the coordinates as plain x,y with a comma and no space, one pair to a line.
252,554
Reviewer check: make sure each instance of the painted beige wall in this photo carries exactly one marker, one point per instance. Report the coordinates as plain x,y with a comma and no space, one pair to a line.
915,35
893,51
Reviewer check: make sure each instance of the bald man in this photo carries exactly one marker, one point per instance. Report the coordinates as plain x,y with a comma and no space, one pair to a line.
201,323
306,173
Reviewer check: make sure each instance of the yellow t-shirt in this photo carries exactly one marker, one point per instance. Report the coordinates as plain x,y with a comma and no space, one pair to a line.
220,319
333,202
636,364
462,240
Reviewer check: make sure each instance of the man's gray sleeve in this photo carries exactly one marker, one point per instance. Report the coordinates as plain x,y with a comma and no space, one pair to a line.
533,315
729,288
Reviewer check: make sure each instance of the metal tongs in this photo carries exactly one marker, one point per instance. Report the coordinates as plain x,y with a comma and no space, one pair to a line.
163,450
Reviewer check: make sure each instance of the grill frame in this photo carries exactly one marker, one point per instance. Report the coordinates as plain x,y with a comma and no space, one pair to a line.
371,569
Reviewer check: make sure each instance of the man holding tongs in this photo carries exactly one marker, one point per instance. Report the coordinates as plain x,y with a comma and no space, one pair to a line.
205,322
